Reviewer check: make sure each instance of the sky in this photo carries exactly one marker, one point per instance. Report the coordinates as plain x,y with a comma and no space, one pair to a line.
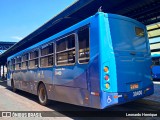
19,18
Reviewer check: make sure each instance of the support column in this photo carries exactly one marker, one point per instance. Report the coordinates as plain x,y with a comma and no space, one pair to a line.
0,72
3,73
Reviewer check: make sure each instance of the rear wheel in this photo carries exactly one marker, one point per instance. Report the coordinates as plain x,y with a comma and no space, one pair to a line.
42,95
13,86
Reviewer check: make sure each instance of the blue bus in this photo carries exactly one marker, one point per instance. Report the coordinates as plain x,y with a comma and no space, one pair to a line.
99,62
156,66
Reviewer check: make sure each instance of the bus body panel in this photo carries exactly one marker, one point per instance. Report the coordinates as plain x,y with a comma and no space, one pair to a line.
70,76
45,75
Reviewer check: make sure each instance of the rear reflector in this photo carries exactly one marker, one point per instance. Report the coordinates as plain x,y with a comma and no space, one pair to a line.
147,89
95,93
116,96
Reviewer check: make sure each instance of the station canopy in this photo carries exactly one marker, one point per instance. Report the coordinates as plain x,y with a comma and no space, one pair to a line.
145,11
153,30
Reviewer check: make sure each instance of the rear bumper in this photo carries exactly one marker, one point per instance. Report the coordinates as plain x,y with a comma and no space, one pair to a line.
110,99
137,94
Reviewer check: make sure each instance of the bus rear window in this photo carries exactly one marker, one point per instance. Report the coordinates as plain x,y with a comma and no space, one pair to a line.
139,31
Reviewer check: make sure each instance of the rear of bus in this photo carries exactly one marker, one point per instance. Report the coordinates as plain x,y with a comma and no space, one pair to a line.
131,61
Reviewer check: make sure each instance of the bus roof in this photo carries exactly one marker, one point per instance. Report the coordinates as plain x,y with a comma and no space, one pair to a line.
72,28
124,18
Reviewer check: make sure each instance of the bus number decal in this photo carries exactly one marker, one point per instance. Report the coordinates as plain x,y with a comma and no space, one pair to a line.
58,73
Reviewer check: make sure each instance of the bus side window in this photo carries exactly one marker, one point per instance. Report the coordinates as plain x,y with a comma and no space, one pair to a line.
13,64
18,63
25,58
83,40
33,63
47,53
65,51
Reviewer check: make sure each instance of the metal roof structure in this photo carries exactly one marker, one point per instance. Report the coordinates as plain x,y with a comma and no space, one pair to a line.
5,45
145,11
155,48
153,30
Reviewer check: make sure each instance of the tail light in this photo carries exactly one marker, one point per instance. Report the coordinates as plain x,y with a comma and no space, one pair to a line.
106,77
107,85
106,69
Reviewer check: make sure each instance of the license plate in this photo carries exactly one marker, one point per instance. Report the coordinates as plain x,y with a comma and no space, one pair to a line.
134,86
137,93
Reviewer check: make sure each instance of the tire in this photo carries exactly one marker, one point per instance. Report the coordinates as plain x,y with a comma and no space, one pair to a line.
13,86
42,95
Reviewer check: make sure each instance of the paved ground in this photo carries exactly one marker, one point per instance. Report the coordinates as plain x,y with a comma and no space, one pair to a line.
22,101
156,95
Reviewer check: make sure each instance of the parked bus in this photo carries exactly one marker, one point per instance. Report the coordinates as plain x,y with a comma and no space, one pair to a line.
156,66
101,61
